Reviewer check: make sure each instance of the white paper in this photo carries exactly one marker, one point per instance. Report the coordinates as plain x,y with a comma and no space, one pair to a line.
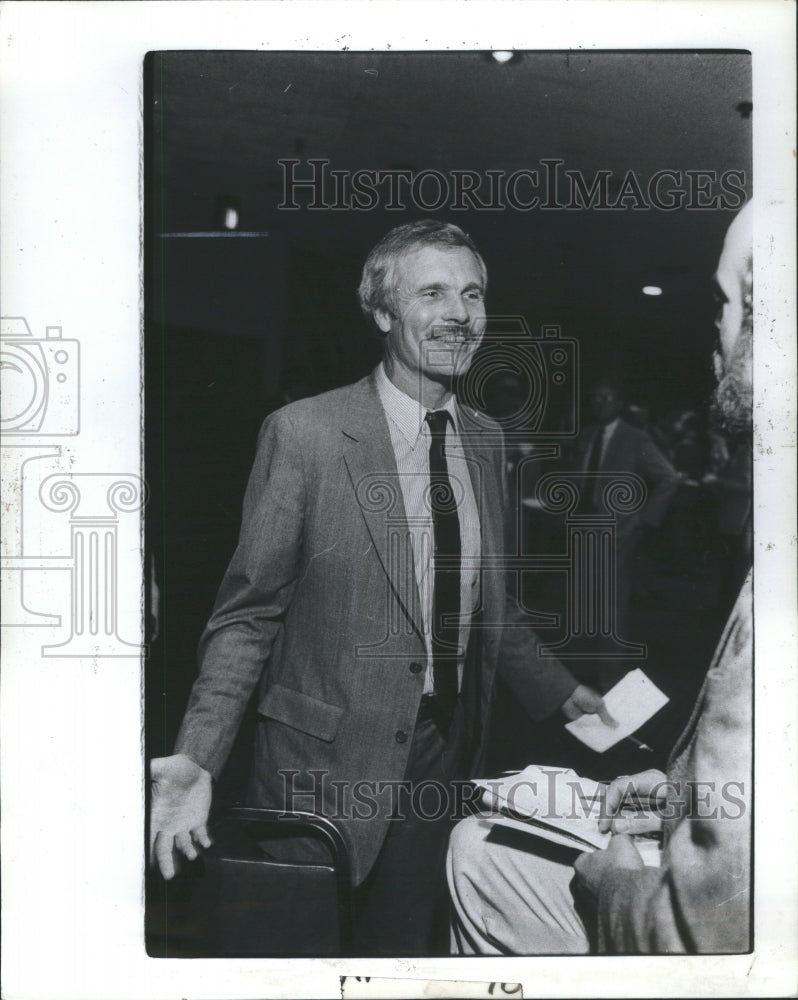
556,804
632,702
555,798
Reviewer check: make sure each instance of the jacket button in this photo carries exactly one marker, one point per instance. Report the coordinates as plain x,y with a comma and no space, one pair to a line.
416,668
401,736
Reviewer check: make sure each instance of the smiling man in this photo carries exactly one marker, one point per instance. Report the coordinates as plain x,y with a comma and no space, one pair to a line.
364,602
435,321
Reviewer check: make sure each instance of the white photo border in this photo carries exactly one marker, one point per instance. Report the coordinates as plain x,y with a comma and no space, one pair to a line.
73,777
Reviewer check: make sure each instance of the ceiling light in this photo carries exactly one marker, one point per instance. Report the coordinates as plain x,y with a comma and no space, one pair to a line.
227,212
651,290
502,56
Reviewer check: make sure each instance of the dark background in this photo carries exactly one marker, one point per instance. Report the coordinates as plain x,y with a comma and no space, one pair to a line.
234,321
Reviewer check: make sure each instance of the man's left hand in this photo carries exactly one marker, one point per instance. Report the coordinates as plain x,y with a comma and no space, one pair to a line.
620,855
586,701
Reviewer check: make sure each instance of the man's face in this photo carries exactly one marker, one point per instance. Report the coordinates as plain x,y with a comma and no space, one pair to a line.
605,403
732,401
438,314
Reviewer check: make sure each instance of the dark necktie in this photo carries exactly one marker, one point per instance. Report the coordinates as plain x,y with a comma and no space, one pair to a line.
446,583
586,504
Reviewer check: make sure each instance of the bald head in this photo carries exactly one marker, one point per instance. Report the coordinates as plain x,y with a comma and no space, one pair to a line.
734,278
734,359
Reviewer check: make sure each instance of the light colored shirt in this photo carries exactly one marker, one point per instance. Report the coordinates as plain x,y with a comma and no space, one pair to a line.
607,431
411,437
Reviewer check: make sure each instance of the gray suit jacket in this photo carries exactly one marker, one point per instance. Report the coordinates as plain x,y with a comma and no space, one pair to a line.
319,608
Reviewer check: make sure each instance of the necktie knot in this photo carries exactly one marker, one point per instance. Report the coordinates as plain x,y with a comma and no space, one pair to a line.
437,420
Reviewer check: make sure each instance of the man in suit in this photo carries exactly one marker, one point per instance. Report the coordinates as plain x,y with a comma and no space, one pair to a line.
510,898
366,601
612,445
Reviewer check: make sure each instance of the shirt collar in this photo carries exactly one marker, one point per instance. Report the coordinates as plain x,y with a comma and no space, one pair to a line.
408,415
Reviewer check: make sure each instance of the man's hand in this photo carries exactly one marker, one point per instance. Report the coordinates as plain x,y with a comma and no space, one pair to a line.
586,701
620,855
630,790
181,802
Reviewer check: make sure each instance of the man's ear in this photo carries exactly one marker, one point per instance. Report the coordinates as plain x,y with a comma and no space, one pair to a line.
383,319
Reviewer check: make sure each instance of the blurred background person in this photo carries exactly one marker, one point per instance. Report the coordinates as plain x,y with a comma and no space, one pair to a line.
684,529
612,445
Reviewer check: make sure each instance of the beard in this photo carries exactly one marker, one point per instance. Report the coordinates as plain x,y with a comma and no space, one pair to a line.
731,407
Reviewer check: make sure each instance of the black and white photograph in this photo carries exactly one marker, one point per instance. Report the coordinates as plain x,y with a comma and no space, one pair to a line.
404,517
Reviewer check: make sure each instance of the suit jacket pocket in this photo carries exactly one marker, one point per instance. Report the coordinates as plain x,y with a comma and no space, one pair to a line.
301,712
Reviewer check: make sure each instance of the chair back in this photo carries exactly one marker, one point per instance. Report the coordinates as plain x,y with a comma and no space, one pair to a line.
241,902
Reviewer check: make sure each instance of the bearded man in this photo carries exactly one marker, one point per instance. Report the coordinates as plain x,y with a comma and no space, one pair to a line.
529,899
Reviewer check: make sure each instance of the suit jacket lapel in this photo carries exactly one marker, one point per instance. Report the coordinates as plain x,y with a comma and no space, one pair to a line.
370,460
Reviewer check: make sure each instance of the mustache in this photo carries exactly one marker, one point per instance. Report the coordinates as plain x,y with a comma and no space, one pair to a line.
468,331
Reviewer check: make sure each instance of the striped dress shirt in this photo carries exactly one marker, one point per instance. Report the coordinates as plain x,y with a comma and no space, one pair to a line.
410,437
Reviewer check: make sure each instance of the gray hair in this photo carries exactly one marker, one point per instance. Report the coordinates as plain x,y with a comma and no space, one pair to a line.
377,288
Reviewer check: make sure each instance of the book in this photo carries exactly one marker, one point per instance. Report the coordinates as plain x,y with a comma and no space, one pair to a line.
558,805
